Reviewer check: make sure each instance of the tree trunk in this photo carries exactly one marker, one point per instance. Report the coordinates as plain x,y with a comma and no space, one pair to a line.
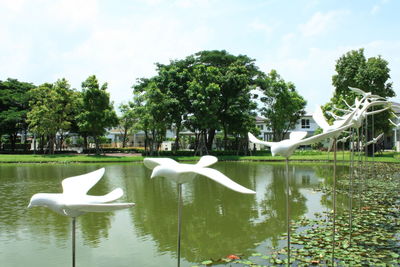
124,138
97,144
210,139
85,142
146,142
178,129
225,137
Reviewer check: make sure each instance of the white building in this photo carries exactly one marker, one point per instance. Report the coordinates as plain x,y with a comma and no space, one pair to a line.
305,123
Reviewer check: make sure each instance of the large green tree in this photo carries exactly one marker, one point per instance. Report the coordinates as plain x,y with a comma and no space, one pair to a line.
283,105
150,105
237,76
126,121
97,111
53,107
208,91
14,105
353,69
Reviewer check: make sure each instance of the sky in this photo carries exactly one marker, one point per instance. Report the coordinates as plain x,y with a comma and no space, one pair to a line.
120,41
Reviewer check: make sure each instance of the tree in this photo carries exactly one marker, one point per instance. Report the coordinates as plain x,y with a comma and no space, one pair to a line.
204,92
150,106
238,75
14,105
126,121
173,80
97,112
53,107
370,75
283,105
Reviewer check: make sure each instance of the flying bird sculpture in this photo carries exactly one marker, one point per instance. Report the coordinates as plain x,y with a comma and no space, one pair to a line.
373,140
286,147
74,201
183,173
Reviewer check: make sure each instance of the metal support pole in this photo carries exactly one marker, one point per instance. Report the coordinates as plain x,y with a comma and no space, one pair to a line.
73,240
351,177
288,210
179,223
334,203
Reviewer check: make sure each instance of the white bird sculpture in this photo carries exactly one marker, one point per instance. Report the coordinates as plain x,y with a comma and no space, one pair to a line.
365,95
182,173
74,201
286,147
373,140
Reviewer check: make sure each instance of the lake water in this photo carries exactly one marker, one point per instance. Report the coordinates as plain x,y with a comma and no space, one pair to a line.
216,221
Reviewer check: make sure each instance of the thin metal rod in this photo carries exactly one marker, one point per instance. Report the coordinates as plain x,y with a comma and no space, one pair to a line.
179,223
351,177
343,151
359,166
288,210
373,145
73,240
334,202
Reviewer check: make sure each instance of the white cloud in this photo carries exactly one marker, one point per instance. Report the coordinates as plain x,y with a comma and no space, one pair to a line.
320,22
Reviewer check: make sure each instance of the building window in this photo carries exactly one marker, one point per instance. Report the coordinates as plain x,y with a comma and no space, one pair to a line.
260,126
305,123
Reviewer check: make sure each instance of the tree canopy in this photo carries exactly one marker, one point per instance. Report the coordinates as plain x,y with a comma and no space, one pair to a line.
283,105
14,106
97,112
204,92
353,69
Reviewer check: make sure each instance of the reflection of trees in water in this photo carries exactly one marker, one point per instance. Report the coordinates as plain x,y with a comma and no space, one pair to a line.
274,203
17,186
216,220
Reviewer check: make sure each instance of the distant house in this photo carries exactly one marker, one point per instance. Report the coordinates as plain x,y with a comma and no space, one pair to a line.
305,123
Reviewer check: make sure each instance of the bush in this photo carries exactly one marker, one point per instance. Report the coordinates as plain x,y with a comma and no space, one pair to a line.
213,152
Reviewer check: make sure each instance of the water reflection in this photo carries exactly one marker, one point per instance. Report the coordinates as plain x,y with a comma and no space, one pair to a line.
17,186
216,220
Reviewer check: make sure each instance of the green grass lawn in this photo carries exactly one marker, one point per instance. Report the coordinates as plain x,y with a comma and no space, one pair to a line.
298,156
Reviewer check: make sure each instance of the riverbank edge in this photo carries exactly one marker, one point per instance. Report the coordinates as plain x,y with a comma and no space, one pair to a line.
66,159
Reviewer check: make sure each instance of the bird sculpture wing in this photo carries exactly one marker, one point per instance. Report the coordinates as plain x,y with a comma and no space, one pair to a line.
379,137
319,118
297,135
254,140
113,195
220,178
322,136
88,207
396,125
151,163
357,91
206,161
80,185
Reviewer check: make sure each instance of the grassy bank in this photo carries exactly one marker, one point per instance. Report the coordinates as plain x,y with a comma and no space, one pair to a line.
298,156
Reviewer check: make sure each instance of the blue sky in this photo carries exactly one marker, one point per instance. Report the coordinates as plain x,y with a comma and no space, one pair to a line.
119,41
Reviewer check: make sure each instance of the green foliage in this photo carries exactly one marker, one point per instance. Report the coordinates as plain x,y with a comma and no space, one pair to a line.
97,112
126,121
14,105
283,105
370,75
53,107
204,92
